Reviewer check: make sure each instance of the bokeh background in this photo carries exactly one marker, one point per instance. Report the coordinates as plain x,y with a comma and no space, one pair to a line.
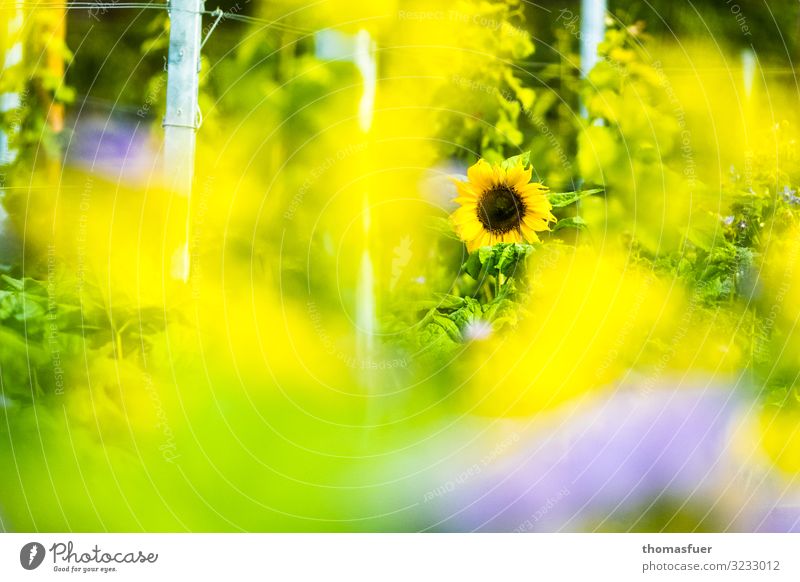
647,380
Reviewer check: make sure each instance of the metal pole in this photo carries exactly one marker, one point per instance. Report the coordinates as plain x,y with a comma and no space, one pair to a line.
593,29
10,102
11,58
364,58
361,50
180,121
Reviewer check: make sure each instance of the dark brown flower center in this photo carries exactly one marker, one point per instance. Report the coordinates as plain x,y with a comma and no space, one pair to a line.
500,209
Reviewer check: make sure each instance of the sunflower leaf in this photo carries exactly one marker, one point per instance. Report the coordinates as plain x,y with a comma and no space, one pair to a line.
472,266
443,302
523,159
438,334
510,256
16,284
448,325
561,199
442,226
471,311
570,222
500,259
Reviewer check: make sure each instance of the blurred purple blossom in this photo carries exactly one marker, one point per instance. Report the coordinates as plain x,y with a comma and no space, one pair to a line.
114,146
614,458
790,195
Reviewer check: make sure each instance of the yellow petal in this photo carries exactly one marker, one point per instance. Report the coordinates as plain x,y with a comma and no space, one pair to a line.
466,202
498,176
480,175
517,177
464,214
540,203
533,189
471,230
535,224
477,242
483,240
465,189
530,236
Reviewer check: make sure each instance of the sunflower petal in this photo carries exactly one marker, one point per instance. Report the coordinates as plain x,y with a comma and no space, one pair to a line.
465,189
480,175
538,205
530,236
533,189
464,215
470,230
535,223
475,243
518,176
469,203
498,176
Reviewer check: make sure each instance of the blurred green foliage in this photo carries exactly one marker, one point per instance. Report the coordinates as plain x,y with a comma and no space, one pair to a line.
136,397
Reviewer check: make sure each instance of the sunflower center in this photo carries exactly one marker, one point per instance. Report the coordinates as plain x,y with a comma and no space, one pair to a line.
500,209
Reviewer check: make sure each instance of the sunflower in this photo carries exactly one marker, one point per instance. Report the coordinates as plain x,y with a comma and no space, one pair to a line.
500,205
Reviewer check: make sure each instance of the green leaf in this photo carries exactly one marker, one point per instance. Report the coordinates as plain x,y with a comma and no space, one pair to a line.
436,335
473,265
28,309
523,158
443,302
561,199
449,326
18,284
464,316
510,256
442,226
499,260
501,311
571,222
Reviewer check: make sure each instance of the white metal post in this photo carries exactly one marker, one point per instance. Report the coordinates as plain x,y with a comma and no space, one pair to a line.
360,50
593,29
366,315
180,122
10,101
11,58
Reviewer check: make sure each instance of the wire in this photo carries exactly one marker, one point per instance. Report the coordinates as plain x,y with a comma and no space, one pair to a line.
104,6
100,5
218,13
263,21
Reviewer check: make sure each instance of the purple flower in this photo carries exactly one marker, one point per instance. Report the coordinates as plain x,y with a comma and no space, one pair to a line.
612,459
790,196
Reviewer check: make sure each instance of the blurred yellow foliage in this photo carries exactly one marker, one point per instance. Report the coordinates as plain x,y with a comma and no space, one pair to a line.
591,319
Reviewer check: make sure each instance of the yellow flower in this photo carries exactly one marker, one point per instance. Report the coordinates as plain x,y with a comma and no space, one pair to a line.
500,205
